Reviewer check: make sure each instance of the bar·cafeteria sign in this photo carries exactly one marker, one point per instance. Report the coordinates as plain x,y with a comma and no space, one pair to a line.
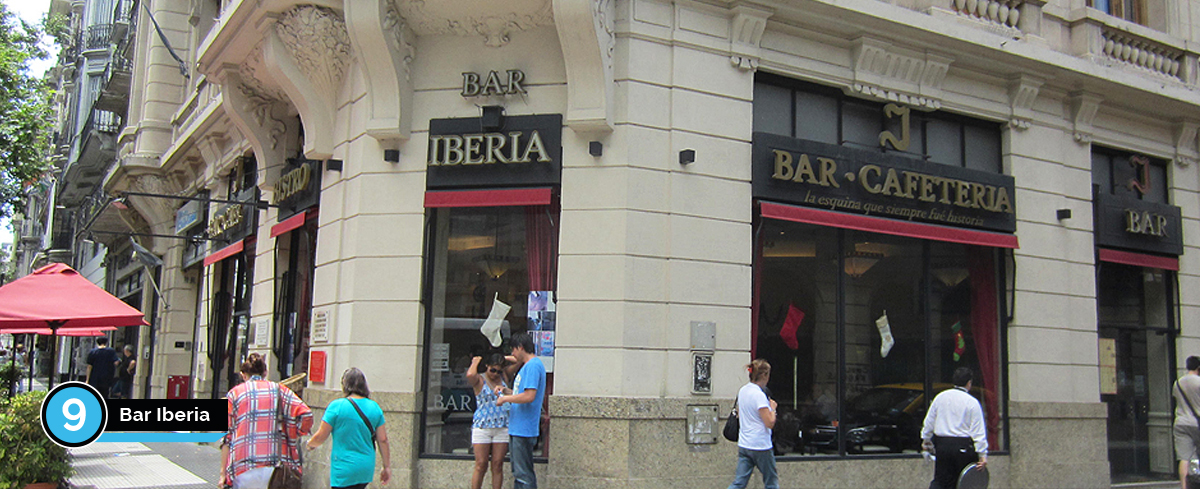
890,185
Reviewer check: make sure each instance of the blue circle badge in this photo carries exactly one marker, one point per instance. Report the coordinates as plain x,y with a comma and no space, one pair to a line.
74,414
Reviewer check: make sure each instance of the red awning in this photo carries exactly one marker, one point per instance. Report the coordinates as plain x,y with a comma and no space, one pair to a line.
292,222
61,332
488,198
887,226
57,297
1139,259
224,253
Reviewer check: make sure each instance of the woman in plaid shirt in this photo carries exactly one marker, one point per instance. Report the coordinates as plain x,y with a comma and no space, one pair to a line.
254,443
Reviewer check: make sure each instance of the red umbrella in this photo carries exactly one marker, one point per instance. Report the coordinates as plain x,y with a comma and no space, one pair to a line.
58,298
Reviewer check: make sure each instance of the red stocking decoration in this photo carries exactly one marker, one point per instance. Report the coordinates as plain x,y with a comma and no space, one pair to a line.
790,325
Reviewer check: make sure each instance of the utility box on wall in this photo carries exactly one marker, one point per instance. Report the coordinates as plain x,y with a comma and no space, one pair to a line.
179,386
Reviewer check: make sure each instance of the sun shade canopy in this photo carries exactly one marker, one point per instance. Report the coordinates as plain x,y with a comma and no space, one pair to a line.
56,296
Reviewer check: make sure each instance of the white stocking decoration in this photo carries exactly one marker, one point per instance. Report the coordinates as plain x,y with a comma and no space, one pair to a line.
885,335
491,326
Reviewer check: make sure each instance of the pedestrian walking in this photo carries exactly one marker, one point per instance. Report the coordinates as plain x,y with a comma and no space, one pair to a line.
955,431
756,419
529,388
1187,427
102,366
356,423
257,441
489,429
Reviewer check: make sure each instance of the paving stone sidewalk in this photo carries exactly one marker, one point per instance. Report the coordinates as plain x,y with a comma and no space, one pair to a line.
145,465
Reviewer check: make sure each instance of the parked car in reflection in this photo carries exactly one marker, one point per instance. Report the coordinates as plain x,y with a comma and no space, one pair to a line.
885,418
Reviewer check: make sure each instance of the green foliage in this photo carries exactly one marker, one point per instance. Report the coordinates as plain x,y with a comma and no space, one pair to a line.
9,372
29,454
24,110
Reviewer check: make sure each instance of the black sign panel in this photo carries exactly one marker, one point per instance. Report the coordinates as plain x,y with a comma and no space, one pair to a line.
888,185
234,222
167,415
1124,222
298,187
522,151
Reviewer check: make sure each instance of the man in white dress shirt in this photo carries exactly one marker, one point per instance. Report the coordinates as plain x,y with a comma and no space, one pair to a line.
954,427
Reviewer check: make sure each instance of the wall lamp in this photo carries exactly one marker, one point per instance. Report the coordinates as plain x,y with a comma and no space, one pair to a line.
493,117
595,148
391,155
1063,214
333,165
687,157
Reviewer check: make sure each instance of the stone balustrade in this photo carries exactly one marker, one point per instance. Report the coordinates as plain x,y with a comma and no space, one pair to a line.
1004,13
1142,53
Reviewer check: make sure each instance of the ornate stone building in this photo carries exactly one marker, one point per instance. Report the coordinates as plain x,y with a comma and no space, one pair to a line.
867,194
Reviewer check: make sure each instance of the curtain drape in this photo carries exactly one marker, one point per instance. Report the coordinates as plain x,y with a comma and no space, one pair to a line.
985,327
541,247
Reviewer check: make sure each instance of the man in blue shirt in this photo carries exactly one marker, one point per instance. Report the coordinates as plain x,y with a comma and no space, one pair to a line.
526,398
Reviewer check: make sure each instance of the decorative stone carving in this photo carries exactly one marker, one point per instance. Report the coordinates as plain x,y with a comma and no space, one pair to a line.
745,36
155,213
886,72
1083,110
317,39
585,33
245,111
382,41
1022,91
1187,151
495,21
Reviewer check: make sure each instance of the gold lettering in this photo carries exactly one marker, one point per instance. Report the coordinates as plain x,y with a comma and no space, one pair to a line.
1002,203
1133,222
862,178
828,167
891,184
783,165
470,84
1162,225
910,184
963,194
804,171
927,183
947,185
978,192
472,143
513,138
905,139
292,183
454,146
495,145
435,149
492,85
535,144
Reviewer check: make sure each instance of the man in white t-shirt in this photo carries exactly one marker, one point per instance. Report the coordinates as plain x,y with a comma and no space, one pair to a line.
756,418
955,430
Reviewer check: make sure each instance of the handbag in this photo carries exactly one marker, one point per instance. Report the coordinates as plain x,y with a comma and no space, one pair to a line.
365,420
1193,468
284,476
732,425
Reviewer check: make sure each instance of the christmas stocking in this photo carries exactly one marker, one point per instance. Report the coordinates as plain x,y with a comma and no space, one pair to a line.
885,335
790,325
491,326
960,343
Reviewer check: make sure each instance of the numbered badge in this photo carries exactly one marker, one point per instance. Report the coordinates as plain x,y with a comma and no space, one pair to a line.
74,414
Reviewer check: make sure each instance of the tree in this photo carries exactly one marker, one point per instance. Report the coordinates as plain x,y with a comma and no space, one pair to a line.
25,116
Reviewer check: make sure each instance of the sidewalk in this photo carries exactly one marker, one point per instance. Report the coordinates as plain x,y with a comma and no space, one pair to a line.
138,465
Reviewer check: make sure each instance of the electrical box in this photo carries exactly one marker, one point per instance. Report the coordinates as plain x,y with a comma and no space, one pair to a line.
178,386
704,335
702,424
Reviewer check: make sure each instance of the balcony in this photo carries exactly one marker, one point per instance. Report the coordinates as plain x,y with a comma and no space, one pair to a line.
97,37
97,151
1132,48
114,96
124,19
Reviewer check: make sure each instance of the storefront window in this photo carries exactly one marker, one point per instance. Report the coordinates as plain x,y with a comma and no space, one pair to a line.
863,329
295,256
480,260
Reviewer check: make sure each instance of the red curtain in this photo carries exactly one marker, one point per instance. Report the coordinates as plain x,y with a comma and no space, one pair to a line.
985,327
541,246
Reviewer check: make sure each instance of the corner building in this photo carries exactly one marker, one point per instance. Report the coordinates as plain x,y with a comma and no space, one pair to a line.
867,194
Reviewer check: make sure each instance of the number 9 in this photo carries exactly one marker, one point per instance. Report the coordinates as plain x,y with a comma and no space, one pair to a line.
79,417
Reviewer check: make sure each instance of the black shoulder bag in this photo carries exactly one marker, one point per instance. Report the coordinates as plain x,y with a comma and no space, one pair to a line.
365,420
1193,468
732,425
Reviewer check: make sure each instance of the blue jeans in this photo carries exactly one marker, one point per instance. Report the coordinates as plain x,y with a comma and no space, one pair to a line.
520,451
748,460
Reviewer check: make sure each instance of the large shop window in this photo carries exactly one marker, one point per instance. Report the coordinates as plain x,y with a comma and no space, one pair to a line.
863,329
479,260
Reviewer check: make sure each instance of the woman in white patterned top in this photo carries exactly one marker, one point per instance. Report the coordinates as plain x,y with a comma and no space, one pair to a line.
489,431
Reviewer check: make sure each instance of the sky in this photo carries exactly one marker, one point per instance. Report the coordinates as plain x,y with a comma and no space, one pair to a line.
32,11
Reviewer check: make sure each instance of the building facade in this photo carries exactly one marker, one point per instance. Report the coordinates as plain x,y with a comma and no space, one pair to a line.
867,194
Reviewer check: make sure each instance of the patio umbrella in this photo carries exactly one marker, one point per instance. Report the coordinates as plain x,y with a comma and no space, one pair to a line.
57,297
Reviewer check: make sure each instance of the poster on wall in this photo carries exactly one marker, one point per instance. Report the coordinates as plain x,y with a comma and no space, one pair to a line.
439,355
541,316
1108,366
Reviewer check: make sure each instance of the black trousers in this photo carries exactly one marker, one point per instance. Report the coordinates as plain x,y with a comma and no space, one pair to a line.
954,453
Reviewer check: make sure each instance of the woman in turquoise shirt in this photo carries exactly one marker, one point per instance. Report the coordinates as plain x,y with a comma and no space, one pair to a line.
357,425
